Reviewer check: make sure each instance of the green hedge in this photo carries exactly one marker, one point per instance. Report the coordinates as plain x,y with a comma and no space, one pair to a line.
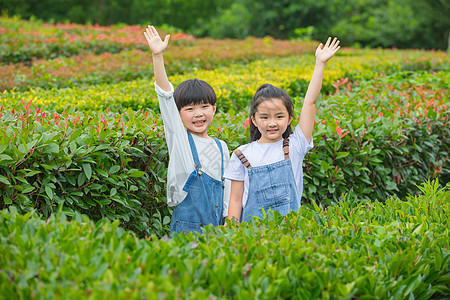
110,165
369,250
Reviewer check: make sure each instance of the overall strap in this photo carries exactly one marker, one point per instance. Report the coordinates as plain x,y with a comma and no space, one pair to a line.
194,151
243,159
286,147
221,153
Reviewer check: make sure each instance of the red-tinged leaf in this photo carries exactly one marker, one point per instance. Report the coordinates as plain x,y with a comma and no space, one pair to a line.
339,131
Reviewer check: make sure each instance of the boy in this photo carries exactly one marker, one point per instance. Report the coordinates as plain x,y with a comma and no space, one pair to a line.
195,184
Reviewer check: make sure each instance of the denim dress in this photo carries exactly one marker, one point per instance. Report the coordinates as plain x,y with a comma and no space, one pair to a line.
270,187
203,204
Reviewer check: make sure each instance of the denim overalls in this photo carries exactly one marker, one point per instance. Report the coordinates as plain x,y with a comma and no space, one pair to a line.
270,186
203,204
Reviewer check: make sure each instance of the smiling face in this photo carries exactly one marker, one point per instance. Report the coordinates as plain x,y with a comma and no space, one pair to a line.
197,118
271,118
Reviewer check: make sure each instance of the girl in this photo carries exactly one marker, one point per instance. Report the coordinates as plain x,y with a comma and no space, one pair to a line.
267,173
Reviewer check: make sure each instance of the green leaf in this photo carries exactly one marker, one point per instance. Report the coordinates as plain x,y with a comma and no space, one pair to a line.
71,179
87,170
49,192
324,165
81,179
46,166
101,172
114,169
51,148
137,174
118,200
32,173
4,180
342,155
166,220
5,157
22,148
19,188
28,189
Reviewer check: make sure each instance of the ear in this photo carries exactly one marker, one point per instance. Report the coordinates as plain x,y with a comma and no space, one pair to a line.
254,121
290,120
214,109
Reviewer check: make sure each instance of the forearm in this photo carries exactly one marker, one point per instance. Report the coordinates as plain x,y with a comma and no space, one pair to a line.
315,84
160,72
308,113
235,209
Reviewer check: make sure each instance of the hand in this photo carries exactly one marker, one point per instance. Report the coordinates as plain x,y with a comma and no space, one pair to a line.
157,46
327,52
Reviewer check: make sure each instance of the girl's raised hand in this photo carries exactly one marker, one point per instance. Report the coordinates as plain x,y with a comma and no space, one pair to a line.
324,53
157,46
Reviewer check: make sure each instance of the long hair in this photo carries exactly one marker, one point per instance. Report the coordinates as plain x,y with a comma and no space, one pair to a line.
267,92
193,92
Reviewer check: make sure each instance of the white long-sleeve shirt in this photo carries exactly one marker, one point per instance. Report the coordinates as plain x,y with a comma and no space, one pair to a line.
181,162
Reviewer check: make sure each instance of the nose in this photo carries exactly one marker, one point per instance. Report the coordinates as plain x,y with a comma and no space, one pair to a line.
198,112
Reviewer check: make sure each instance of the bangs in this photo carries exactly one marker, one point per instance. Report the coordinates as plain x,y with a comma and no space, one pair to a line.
193,92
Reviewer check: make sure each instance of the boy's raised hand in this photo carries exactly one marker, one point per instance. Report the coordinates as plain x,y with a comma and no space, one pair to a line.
325,53
157,46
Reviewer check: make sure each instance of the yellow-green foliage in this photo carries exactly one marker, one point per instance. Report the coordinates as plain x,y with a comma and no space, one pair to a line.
235,84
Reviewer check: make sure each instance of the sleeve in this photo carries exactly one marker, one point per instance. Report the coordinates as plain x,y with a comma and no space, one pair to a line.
174,130
227,182
235,169
298,142
180,158
169,111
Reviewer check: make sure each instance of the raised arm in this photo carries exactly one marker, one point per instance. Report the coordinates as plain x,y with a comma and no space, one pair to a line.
323,54
157,46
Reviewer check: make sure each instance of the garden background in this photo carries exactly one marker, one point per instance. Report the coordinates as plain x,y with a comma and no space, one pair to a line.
83,160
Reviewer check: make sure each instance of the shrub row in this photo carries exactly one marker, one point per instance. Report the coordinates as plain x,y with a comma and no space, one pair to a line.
113,165
89,68
234,85
395,250
23,41
62,55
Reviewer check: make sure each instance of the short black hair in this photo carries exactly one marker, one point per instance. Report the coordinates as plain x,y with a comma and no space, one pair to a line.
193,92
267,92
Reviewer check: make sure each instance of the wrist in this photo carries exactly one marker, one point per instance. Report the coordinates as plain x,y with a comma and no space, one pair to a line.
157,55
320,63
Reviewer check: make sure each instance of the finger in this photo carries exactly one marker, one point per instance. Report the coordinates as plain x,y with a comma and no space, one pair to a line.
166,39
147,36
155,32
336,44
149,32
335,50
333,42
319,47
327,44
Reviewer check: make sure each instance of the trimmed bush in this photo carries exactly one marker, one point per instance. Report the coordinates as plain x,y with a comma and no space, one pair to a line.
396,249
114,165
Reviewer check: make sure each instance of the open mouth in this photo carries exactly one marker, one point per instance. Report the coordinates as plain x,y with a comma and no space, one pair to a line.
199,123
272,131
